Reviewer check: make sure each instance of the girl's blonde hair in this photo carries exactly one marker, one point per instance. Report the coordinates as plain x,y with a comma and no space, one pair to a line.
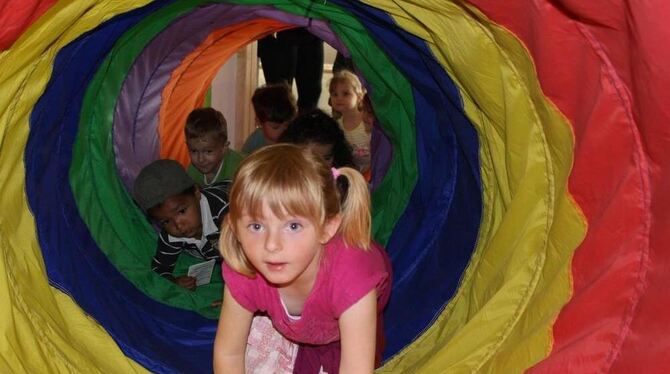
291,180
346,77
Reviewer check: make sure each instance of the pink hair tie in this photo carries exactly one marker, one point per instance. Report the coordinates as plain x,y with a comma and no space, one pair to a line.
336,173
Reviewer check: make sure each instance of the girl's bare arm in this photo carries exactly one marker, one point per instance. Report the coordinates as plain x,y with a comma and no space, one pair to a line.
231,336
358,328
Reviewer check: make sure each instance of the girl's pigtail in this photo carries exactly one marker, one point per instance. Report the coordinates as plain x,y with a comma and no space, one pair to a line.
355,209
231,250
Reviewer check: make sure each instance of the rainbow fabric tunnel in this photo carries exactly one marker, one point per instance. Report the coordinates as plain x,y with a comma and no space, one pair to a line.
523,209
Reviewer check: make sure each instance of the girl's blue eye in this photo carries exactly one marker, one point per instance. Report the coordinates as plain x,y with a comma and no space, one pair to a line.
255,227
294,226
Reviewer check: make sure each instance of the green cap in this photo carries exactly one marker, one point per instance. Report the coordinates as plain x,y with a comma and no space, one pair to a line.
158,181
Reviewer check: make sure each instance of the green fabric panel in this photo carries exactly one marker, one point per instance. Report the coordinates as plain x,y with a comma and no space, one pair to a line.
120,228
208,99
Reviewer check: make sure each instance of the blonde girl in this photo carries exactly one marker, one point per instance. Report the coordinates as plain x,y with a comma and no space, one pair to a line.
346,96
298,248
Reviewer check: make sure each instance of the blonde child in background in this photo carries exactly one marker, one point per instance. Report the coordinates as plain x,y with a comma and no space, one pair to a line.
299,249
346,95
207,141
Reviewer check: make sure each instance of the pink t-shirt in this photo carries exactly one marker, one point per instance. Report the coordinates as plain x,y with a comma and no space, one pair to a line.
346,275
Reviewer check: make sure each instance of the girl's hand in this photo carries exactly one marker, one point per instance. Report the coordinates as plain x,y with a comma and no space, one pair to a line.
358,333
231,336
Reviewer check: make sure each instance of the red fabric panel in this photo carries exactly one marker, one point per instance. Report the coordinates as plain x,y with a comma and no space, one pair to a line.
605,65
16,16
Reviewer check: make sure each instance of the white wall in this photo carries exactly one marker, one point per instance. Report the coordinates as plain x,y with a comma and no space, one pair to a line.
231,93
223,83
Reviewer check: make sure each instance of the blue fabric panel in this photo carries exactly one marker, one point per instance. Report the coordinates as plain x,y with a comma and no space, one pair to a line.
162,338
433,241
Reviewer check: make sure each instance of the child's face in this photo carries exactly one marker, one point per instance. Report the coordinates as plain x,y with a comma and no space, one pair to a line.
285,250
273,130
206,153
325,151
343,98
179,215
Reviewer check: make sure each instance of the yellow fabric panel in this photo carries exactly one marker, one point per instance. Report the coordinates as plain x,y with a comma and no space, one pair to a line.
519,277
42,329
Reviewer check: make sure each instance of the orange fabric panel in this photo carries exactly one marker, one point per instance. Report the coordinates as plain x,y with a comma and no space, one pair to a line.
190,81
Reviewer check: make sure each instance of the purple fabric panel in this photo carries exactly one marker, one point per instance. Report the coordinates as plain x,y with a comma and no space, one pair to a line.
382,152
381,149
135,126
316,27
